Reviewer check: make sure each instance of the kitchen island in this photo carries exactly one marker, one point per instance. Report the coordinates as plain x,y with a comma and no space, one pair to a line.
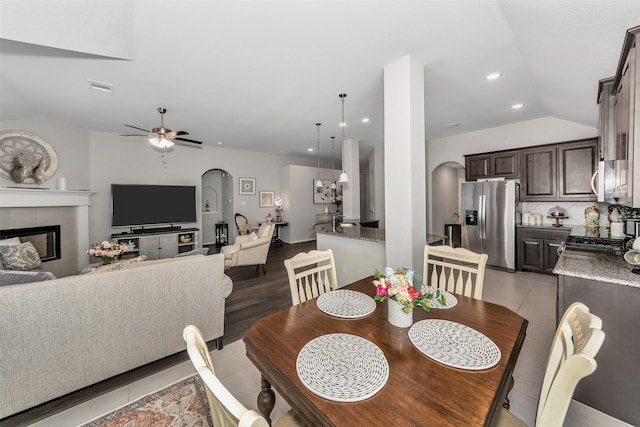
357,250
605,283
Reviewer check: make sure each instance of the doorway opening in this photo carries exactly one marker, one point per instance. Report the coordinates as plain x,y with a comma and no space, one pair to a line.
217,205
445,196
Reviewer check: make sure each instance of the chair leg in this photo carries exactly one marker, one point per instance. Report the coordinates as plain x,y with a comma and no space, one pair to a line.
264,268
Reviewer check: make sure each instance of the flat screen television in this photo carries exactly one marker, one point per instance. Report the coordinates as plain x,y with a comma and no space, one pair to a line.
152,204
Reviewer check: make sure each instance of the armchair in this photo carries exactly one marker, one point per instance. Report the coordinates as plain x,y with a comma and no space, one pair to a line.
250,249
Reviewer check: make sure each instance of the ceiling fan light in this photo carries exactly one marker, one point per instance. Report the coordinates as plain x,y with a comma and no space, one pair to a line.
161,142
318,183
343,177
333,185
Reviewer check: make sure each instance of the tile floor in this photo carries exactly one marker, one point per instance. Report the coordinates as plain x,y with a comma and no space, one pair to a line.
530,295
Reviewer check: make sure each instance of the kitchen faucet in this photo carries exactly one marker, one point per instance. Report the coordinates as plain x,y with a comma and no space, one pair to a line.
335,217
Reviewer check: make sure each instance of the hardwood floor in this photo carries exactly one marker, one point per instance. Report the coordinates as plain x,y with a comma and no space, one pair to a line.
254,295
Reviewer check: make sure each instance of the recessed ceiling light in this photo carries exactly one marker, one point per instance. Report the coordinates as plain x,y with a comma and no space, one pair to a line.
493,76
219,142
310,150
516,106
101,86
366,120
451,125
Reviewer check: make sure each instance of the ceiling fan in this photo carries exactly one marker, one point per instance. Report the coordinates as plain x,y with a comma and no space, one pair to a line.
163,137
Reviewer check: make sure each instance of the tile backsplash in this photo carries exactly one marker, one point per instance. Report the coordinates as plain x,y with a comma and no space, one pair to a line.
574,209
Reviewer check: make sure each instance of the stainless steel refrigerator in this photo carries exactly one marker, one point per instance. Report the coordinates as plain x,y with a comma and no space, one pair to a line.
489,209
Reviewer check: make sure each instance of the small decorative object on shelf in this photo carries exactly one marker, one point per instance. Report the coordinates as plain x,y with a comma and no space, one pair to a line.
185,238
106,251
278,203
397,286
206,206
592,217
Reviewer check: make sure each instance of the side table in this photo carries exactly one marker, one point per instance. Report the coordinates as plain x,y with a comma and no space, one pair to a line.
222,234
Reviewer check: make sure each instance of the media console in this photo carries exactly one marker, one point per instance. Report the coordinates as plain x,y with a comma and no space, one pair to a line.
158,243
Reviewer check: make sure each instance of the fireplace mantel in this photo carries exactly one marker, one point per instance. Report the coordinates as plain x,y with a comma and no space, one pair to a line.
20,198
35,198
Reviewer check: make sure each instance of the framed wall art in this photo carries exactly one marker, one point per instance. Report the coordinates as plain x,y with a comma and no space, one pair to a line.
267,199
247,185
322,194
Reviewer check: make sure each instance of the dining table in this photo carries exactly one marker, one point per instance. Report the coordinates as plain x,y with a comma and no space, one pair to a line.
417,389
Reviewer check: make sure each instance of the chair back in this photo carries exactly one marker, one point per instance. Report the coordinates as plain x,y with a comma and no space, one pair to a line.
578,339
457,270
226,410
311,274
242,224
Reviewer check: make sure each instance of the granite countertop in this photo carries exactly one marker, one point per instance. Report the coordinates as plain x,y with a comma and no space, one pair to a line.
365,233
597,266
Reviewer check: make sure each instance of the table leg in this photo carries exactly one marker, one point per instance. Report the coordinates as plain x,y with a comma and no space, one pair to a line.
266,400
507,404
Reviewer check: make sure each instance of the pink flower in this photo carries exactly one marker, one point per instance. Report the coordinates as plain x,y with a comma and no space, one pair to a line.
383,292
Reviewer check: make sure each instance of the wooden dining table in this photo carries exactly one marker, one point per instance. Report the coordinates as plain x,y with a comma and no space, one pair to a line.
419,390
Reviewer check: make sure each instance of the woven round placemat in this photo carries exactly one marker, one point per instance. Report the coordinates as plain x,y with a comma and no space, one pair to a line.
346,303
454,344
449,299
342,367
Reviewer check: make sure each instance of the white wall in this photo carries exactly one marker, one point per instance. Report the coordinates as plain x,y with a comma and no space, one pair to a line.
545,130
93,160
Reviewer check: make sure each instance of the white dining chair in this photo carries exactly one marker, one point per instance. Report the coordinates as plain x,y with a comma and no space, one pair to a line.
457,270
311,274
226,410
578,339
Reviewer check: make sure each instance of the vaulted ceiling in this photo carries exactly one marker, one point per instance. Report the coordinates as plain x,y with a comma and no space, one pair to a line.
258,75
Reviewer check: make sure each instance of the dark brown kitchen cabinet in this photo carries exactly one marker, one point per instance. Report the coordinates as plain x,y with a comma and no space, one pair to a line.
559,171
537,248
499,164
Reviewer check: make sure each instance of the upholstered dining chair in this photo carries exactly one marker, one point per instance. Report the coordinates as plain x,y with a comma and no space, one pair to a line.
457,270
226,410
250,249
243,225
311,274
578,339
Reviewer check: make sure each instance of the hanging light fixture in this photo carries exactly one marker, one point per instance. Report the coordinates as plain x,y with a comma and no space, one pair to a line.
318,181
333,167
343,175
161,142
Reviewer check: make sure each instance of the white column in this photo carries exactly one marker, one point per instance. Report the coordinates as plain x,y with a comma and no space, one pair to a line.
351,189
404,163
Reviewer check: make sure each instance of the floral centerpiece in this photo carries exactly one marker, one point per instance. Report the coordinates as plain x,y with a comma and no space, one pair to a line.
397,285
106,251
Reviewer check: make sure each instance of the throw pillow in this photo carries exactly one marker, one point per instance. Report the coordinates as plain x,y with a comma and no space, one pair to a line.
8,242
201,251
22,257
253,236
116,265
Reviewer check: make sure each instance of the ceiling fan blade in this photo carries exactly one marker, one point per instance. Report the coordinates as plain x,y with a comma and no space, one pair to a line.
181,132
135,127
188,140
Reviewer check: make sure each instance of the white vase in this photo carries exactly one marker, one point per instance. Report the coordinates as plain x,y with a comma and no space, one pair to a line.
397,317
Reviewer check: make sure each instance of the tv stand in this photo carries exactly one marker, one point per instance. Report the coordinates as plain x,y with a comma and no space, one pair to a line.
155,243
143,230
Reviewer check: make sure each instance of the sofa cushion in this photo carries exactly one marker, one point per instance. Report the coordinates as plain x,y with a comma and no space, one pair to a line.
13,277
253,236
8,242
23,256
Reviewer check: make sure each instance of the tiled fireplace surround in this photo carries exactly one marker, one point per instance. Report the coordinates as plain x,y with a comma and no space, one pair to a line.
21,208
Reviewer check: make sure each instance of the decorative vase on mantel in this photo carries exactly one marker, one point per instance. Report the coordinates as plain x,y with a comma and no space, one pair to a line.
106,260
397,316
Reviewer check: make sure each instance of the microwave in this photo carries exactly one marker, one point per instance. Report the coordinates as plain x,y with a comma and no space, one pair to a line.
603,181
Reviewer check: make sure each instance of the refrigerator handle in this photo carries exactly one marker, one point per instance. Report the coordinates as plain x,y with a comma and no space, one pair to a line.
482,216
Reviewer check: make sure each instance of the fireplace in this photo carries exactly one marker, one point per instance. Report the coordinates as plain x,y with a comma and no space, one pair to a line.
46,239
22,208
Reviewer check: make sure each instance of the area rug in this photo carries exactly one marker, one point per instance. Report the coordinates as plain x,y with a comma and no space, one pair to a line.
183,404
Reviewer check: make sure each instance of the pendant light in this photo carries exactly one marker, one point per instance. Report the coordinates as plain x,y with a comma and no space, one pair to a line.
333,167
318,181
343,124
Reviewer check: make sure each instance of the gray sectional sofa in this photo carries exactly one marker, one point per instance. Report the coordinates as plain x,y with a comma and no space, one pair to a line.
61,335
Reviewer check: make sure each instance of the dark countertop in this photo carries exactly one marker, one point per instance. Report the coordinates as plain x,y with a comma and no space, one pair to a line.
366,233
599,266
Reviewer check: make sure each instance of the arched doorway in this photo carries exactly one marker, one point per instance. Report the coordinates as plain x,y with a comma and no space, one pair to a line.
445,195
217,203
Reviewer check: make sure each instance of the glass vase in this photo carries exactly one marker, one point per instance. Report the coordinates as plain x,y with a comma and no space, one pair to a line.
397,317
